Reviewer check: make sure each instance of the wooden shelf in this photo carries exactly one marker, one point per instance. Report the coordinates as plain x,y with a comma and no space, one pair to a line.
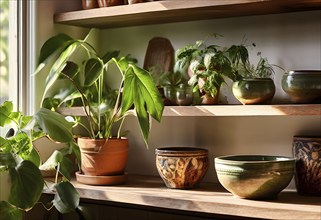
226,110
179,10
209,199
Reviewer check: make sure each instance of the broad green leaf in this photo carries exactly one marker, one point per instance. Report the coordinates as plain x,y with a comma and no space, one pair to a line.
7,160
50,103
34,157
93,70
59,65
26,185
67,198
55,125
71,69
109,55
25,120
5,110
52,45
9,212
21,145
137,78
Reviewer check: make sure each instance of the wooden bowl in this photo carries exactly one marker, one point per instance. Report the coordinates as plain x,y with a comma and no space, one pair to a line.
254,176
181,167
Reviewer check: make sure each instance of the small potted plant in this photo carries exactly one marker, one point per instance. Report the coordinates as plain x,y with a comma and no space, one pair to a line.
207,66
103,153
176,89
20,161
256,85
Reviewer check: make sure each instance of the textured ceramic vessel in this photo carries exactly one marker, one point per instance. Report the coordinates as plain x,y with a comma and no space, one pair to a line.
303,86
254,91
89,4
254,176
181,167
101,158
307,151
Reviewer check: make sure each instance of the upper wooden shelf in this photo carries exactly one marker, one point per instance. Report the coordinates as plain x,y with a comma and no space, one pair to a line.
226,110
210,199
179,10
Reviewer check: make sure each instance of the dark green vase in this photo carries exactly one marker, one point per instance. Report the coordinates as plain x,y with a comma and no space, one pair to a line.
303,86
254,91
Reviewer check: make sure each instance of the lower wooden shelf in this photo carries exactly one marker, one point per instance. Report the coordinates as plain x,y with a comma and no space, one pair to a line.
210,199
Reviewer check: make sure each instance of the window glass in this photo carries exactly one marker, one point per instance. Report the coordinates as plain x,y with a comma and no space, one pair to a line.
8,51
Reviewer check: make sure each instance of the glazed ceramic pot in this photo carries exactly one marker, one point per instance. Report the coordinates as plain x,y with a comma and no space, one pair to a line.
303,86
181,167
89,4
108,3
101,158
179,95
254,176
307,151
254,91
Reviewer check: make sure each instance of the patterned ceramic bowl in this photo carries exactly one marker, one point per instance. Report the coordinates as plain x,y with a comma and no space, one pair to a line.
254,176
182,167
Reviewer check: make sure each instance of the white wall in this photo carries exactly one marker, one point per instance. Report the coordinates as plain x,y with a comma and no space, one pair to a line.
289,40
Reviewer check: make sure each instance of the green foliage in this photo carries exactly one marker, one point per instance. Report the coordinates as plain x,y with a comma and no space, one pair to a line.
210,64
78,62
19,157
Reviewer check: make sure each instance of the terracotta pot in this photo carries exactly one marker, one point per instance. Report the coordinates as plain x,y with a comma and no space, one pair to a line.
135,1
182,167
307,151
100,157
108,3
207,99
254,91
89,4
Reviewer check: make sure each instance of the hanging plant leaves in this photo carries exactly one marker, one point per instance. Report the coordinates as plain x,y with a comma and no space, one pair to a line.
26,185
93,70
67,198
9,212
55,125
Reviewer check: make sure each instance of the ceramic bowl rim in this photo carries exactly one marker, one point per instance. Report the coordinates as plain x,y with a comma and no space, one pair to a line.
303,72
228,159
174,151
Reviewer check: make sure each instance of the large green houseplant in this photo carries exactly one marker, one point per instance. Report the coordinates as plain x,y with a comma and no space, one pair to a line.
86,73
208,65
20,161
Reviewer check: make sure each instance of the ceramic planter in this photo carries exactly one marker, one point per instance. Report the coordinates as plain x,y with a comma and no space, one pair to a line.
303,86
254,176
181,167
307,151
89,4
103,158
254,91
108,3
179,95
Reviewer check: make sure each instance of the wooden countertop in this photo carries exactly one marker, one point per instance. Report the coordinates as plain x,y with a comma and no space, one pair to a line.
210,198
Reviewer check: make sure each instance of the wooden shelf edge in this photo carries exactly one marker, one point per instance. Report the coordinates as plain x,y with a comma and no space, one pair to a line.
226,110
179,10
209,198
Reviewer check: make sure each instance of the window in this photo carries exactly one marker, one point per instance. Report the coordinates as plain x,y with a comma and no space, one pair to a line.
16,40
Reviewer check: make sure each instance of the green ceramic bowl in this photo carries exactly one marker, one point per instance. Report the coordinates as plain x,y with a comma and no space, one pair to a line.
254,176
303,86
254,91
